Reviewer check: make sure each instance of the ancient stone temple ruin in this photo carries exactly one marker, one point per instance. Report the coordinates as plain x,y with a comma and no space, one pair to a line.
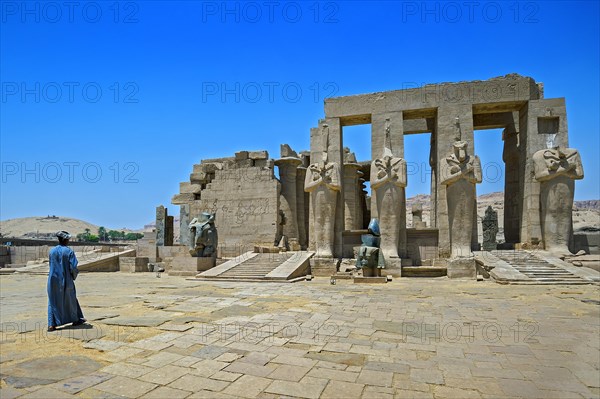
314,202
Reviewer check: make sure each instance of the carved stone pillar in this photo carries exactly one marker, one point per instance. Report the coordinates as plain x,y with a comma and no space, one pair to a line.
557,169
288,199
301,207
323,184
352,216
459,173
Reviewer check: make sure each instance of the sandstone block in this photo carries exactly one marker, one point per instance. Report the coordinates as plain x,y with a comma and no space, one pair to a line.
258,155
241,156
189,188
190,266
247,163
462,268
182,199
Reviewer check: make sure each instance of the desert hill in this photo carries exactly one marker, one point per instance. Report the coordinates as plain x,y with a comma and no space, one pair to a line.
45,226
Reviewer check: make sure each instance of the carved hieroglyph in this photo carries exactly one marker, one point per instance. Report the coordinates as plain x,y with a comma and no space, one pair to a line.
459,173
557,169
323,183
388,180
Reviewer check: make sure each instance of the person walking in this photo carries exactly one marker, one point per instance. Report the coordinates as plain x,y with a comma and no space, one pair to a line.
63,307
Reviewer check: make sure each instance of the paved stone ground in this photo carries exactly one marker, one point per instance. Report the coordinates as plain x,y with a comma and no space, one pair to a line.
429,338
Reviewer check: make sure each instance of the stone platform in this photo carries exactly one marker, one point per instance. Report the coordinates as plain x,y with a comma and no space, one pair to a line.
175,338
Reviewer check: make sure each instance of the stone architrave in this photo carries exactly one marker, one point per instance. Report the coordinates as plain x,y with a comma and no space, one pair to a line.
557,169
490,229
459,173
388,180
323,183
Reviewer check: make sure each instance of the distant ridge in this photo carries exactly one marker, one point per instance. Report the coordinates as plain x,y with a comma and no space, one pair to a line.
46,226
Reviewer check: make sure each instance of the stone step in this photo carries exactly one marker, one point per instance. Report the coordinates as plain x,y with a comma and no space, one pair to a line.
264,267
424,271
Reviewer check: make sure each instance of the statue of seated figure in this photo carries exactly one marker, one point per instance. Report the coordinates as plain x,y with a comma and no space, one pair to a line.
370,258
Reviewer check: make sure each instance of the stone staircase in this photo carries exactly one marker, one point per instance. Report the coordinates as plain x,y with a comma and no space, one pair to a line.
533,267
256,268
537,269
275,267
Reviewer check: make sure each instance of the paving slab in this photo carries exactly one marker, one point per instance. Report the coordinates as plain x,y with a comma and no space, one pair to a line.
125,387
247,386
44,371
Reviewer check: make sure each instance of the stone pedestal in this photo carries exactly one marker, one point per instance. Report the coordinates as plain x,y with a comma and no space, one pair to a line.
462,268
371,272
323,267
393,267
190,266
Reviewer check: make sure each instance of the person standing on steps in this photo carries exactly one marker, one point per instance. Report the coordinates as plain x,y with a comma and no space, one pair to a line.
63,307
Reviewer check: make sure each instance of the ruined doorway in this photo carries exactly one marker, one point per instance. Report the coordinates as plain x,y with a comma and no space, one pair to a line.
489,145
417,149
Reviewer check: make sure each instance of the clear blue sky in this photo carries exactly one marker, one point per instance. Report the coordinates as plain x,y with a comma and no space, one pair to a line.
138,87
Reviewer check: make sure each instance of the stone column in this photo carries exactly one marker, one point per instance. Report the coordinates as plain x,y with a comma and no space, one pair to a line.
535,134
510,156
352,217
300,207
322,182
169,231
387,141
184,221
288,199
454,122
161,225
330,128
360,203
557,169
460,172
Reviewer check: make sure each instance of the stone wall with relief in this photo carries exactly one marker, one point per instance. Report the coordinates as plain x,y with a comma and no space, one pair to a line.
244,194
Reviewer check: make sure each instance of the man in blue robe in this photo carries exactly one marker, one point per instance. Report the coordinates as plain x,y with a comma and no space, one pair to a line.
63,307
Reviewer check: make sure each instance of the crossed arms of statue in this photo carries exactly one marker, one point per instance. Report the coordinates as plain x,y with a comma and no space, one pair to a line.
388,169
453,170
327,174
558,161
